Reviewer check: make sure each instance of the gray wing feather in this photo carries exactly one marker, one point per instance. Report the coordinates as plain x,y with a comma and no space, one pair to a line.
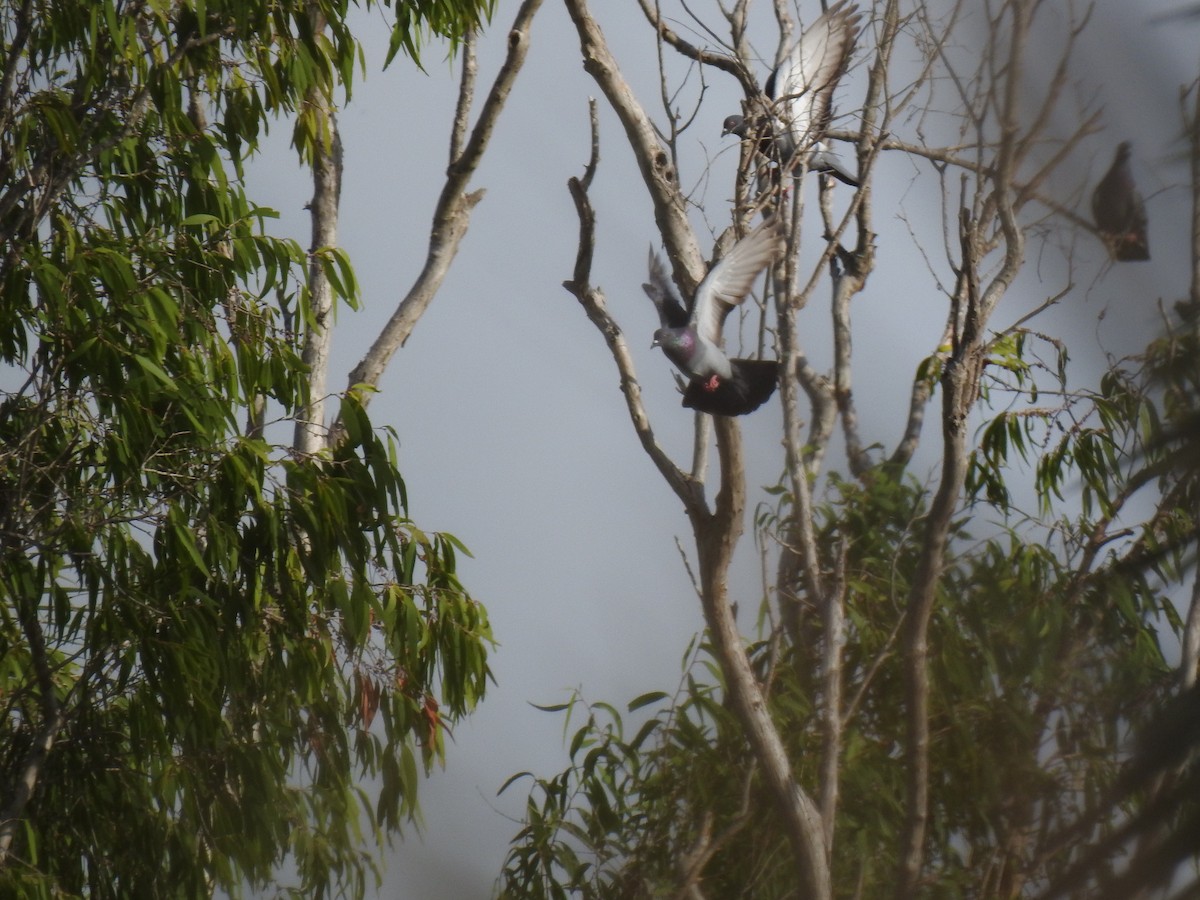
729,281
804,82
671,311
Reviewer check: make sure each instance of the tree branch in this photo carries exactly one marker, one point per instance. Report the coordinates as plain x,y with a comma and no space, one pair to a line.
462,110
689,490
960,388
310,432
453,213
658,173
726,63
716,538
831,714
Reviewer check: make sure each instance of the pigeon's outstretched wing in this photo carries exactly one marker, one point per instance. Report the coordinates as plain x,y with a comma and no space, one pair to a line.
802,85
729,281
671,311
1120,212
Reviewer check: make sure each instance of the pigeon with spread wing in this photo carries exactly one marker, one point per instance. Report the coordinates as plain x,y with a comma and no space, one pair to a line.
691,336
800,91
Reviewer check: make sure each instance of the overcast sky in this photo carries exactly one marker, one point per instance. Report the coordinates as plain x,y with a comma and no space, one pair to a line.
514,434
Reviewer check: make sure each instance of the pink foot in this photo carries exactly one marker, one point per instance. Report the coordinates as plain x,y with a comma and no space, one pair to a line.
711,384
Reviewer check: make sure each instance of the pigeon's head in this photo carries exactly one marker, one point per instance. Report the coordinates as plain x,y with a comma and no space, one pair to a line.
1123,150
675,341
735,125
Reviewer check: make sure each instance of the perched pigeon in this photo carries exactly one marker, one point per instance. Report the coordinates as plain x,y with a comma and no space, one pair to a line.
1119,211
801,90
691,339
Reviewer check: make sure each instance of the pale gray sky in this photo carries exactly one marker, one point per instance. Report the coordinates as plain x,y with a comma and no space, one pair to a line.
514,434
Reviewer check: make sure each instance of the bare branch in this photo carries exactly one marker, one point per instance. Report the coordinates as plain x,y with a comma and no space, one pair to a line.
730,64
466,92
659,175
688,489
922,390
800,556
716,537
1190,657
960,388
843,289
453,213
822,410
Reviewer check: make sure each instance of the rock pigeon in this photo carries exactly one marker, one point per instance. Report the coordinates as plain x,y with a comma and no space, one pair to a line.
691,339
800,91
1120,212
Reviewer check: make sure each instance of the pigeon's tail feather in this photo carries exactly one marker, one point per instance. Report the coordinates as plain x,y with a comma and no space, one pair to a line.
749,387
826,161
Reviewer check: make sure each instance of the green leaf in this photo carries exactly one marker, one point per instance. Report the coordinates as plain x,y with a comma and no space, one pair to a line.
647,699
200,219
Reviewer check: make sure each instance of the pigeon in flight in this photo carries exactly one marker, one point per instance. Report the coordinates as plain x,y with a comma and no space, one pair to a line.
1120,212
800,91
691,338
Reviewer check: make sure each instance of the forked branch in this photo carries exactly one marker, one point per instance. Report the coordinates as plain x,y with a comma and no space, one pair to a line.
591,298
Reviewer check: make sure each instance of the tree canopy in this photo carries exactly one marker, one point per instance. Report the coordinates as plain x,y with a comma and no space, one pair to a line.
227,652
208,640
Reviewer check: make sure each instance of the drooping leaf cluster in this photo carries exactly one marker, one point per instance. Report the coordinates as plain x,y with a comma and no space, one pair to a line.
451,19
206,641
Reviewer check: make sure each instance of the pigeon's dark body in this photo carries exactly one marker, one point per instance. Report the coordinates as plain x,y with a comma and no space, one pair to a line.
691,337
750,385
1120,212
800,91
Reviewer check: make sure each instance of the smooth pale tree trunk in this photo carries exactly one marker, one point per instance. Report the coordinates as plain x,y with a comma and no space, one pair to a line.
311,431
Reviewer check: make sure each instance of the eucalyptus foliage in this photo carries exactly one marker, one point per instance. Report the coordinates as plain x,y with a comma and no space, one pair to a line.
208,643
